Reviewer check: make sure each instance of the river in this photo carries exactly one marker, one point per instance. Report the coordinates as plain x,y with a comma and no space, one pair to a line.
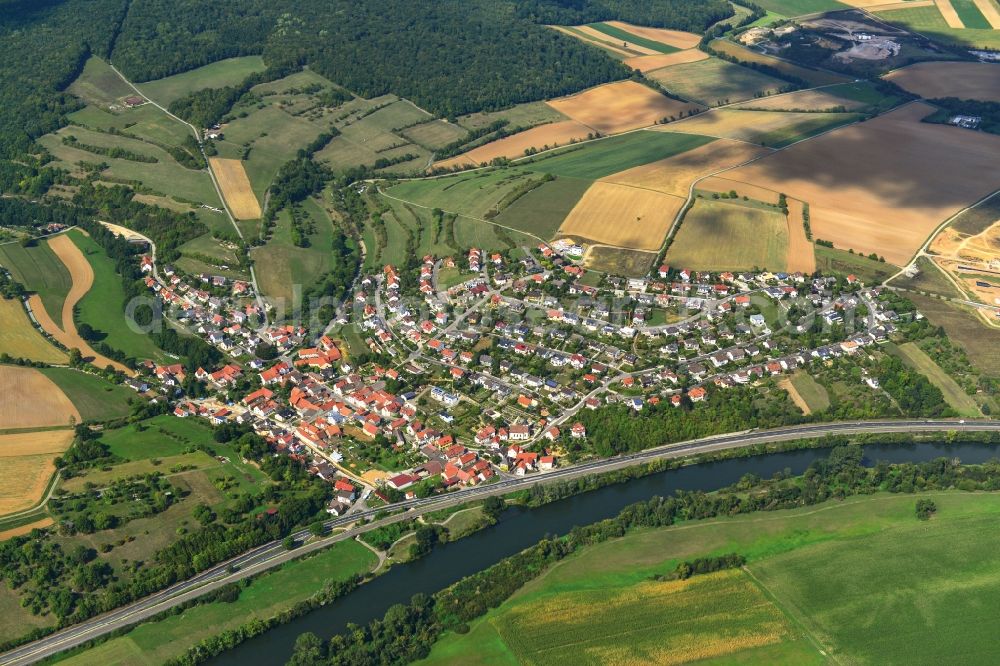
519,528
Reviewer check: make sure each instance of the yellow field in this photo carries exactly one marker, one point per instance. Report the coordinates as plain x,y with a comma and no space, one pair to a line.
26,465
236,188
965,80
32,400
676,38
884,185
674,175
802,100
618,107
801,253
20,339
622,216
718,235
650,62
551,135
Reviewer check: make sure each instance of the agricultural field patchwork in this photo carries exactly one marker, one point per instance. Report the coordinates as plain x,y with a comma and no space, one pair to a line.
543,209
730,236
714,82
518,145
619,107
813,77
928,20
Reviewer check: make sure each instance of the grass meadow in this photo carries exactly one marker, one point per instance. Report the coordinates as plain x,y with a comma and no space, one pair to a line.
799,7
602,158
832,260
20,338
812,392
727,236
542,210
39,270
861,579
96,399
228,72
954,395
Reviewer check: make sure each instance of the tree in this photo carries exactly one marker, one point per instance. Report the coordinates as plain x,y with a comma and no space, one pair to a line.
288,542
926,508
309,650
317,528
494,506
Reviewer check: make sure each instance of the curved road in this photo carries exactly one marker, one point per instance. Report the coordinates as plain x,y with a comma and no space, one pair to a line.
272,554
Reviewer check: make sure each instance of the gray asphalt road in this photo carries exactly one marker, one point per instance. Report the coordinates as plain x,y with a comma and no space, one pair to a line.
273,554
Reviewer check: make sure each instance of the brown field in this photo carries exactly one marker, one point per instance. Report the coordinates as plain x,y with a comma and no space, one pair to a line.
236,188
803,100
674,175
881,186
801,254
622,216
965,80
618,107
32,400
608,40
83,278
949,14
651,62
19,337
990,12
24,529
676,38
513,146
26,465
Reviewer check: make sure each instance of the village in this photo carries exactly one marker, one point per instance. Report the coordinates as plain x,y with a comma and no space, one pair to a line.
476,368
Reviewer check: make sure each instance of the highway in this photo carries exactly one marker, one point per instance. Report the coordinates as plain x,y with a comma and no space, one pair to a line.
273,554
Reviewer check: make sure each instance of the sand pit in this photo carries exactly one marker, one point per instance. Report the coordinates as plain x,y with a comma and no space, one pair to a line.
651,62
32,400
26,466
83,278
949,14
551,135
965,80
622,216
676,38
881,186
618,107
236,188
674,175
801,254
803,100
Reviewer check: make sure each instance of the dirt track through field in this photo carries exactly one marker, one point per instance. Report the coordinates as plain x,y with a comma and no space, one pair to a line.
949,14
32,400
513,146
83,279
236,188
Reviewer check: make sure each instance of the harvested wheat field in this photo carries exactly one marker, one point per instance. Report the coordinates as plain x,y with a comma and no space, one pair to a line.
32,400
965,80
718,235
650,62
949,14
802,100
24,529
676,38
801,253
83,278
236,188
20,339
27,465
622,216
675,175
884,185
618,107
513,146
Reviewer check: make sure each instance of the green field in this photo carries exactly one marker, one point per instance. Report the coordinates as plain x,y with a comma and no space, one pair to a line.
521,115
20,339
626,36
970,14
160,436
602,158
813,77
40,271
862,580
473,194
542,210
957,398
434,134
792,8
810,390
99,85
216,75
103,306
719,236
929,22
864,92
156,642
714,82
95,398
832,260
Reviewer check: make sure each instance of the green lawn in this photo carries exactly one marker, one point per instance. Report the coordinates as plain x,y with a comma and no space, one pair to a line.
862,578
626,36
164,435
40,271
714,82
103,306
957,398
542,210
96,399
723,236
216,75
602,158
